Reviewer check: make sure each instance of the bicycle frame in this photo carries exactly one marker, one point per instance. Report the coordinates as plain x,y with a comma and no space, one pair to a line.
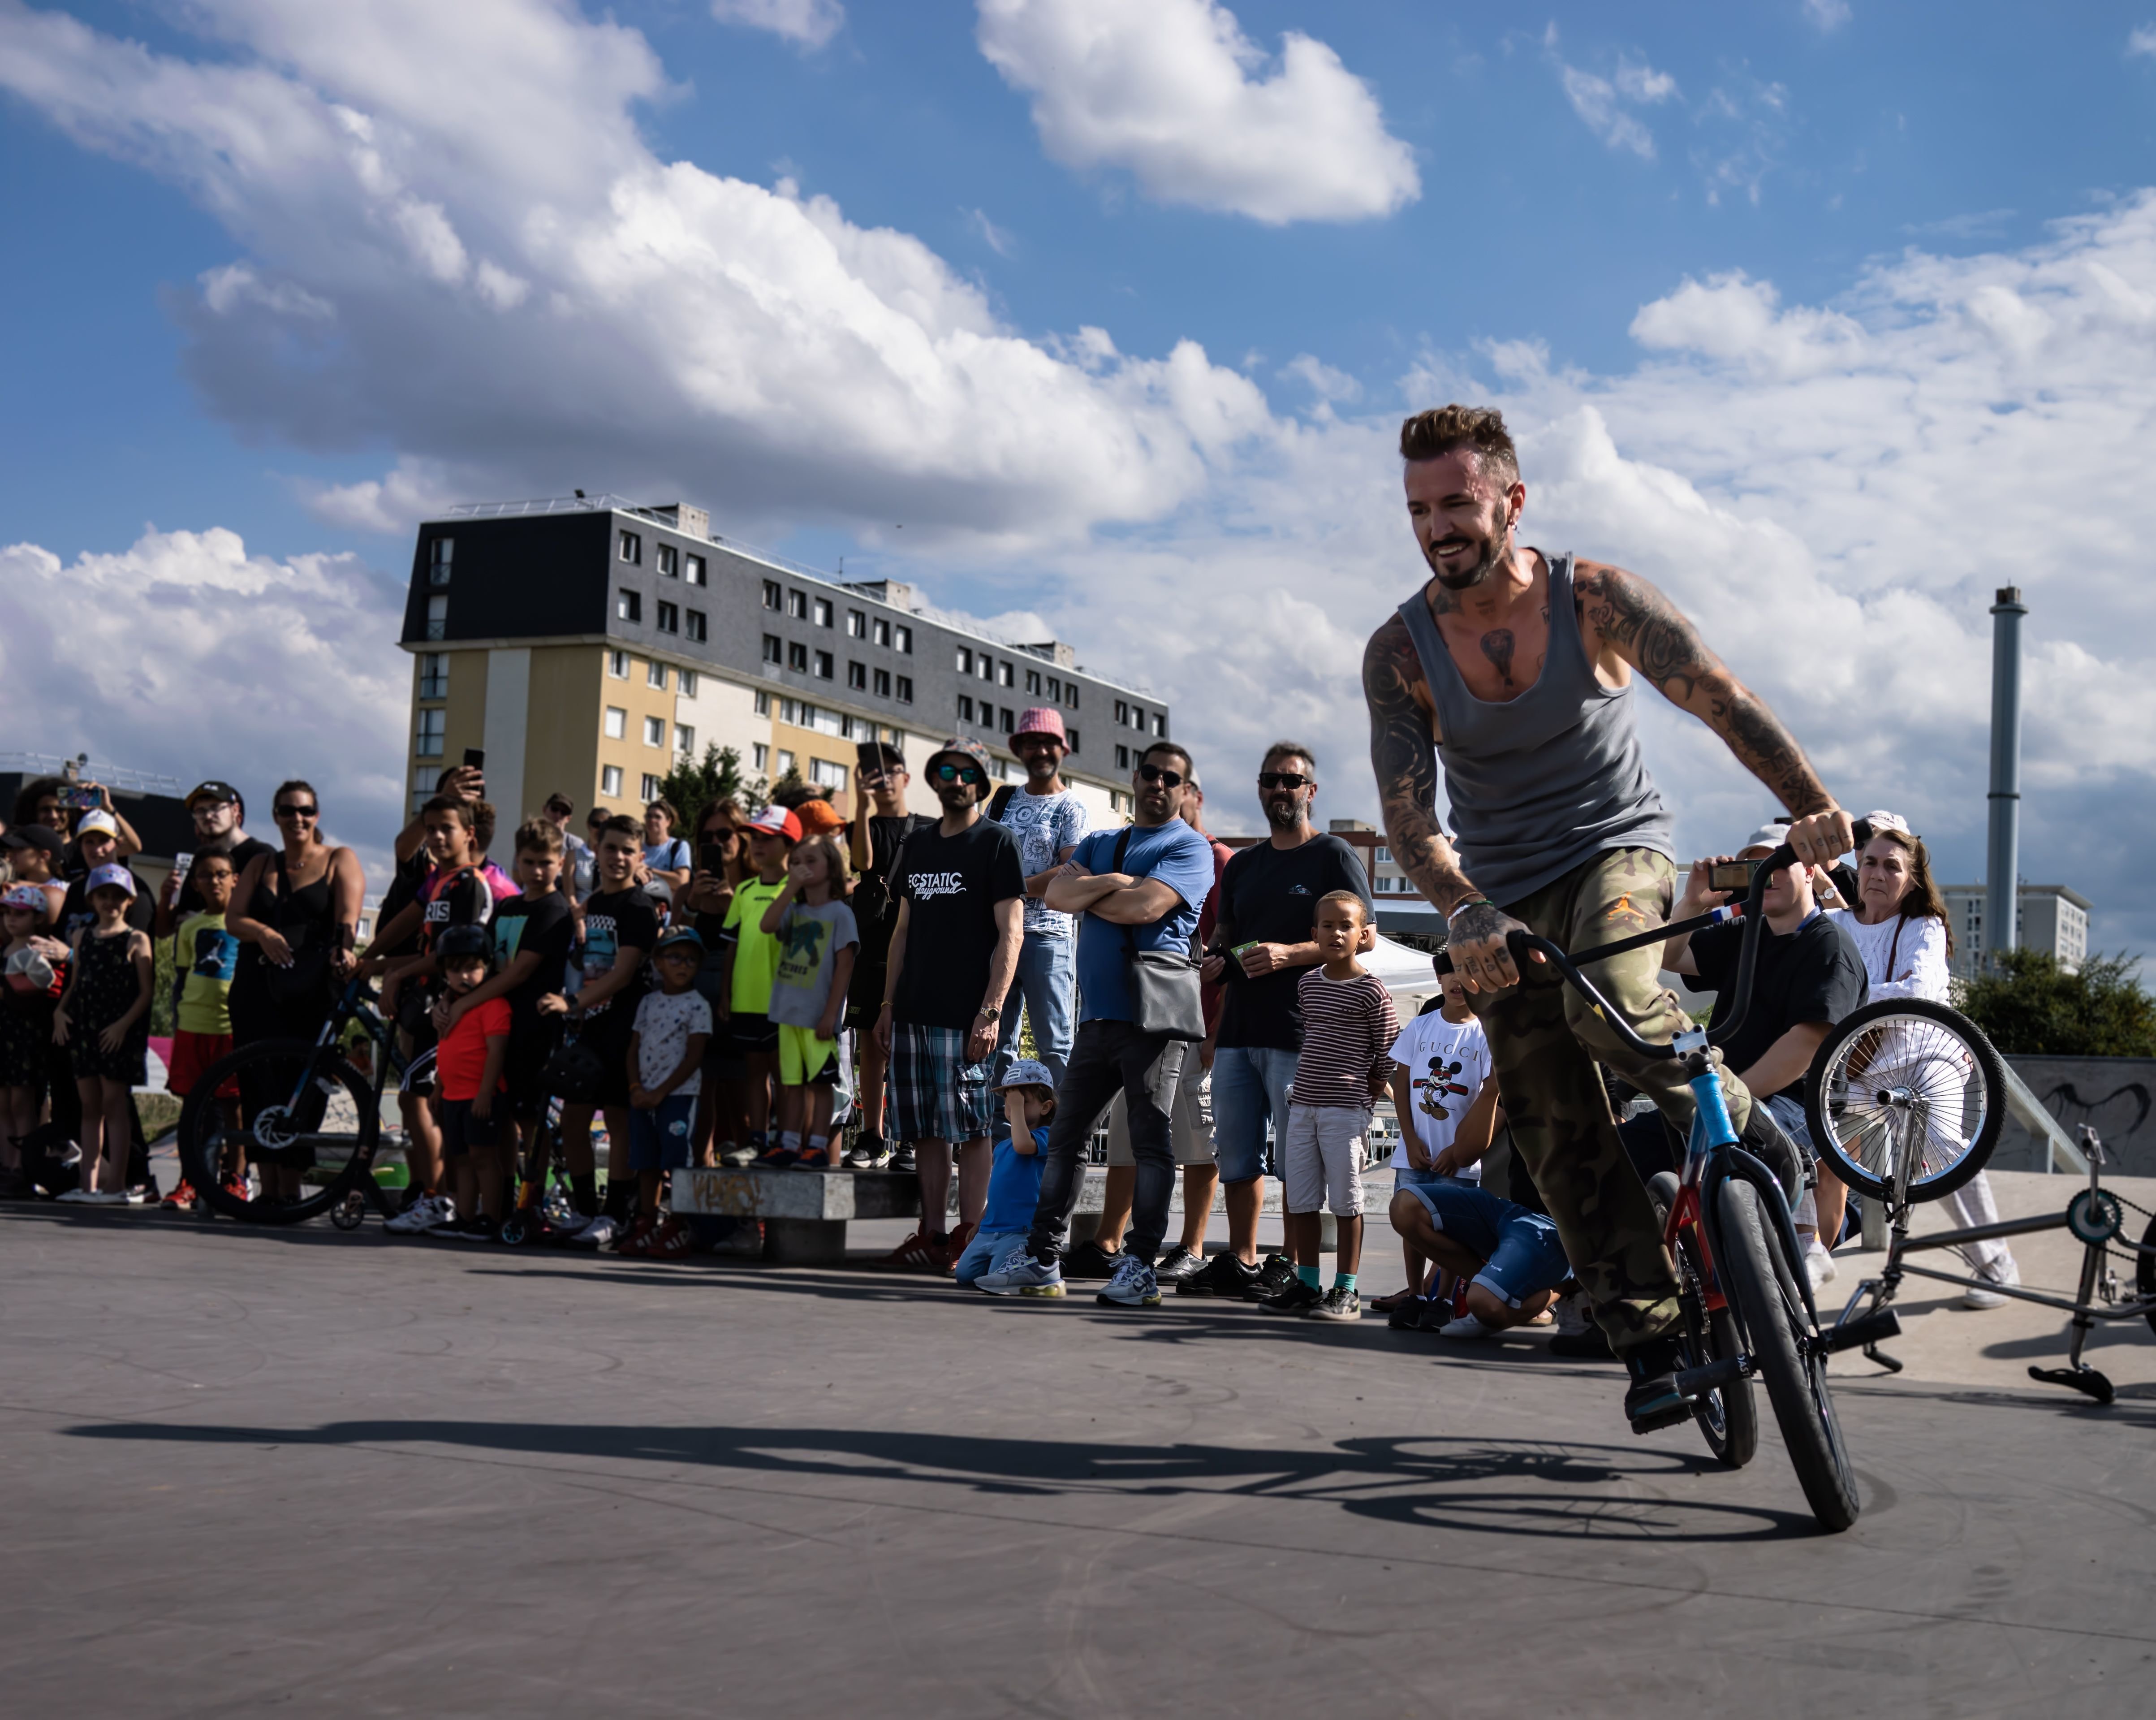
352,1006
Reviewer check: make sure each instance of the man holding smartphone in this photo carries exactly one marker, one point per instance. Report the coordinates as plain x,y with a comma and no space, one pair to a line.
881,825
1048,821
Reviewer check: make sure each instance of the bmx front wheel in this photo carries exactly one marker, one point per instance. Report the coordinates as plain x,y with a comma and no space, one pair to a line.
1760,1278
324,1127
1728,1416
1909,1091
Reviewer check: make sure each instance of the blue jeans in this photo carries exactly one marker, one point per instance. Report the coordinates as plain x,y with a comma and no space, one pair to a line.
983,1251
1249,1085
1047,985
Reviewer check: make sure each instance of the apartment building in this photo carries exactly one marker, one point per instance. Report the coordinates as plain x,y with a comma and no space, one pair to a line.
584,645
2049,917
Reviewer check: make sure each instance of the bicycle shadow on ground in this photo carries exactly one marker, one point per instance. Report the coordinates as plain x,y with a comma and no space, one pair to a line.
1543,1488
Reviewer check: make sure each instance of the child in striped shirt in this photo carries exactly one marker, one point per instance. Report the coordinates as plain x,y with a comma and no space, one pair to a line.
1348,1027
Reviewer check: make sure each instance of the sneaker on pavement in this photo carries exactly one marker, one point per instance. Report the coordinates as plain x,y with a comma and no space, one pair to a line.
1018,1273
236,1187
108,1197
141,1195
75,1197
598,1233
1133,1286
1820,1266
445,1223
1223,1275
1339,1303
637,1242
1295,1298
1652,1400
1178,1264
1272,1277
423,1214
1404,1315
478,1228
1467,1326
1089,1260
1976,1297
671,1241
181,1199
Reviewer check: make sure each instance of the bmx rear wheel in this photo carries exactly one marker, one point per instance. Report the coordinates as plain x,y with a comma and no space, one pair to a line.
2144,1272
1762,1279
1728,1417
325,1129
1909,1091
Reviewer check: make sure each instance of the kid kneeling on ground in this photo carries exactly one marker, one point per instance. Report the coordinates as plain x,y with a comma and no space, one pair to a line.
818,941
469,1063
665,1073
1348,1027
1020,1142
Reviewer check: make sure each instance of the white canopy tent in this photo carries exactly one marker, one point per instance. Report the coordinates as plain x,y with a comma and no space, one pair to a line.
1405,972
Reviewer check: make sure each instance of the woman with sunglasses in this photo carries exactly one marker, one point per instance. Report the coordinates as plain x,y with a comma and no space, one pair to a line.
295,913
721,1108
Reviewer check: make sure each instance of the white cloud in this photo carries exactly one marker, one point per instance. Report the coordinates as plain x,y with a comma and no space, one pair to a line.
809,23
186,656
1826,15
1321,378
998,239
1600,101
1173,91
2142,41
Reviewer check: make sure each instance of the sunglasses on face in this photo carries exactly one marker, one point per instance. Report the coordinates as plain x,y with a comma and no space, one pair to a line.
1154,773
966,774
1282,779
298,812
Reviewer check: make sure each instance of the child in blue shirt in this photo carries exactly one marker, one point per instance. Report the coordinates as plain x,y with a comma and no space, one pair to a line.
1021,1138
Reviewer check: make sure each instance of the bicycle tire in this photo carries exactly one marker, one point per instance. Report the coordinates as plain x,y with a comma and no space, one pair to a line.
1777,1329
2144,1270
1927,1045
274,1065
1729,1418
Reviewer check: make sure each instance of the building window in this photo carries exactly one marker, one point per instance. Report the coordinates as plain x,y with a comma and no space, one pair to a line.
617,665
610,780
669,559
631,548
1122,758
689,676
1118,801
1005,674
824,666
857,675
650,788
438,617
904,693
857,624
904,635
763,704
697,631
797,656
822,612
1010,721
825,774
965,660
685,738
785,761
428,744
965,707
433,674
1054,687
1160,725
1072,735
654,675
669,617
654,731
988,667
771,595
759,756
1032,680
883,683
628,605
696,575
796,605
1071,694
882,631
439,556
774,649
616,725
1122,714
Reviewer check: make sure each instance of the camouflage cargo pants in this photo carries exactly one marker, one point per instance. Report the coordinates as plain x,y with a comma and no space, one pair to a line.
1545,1042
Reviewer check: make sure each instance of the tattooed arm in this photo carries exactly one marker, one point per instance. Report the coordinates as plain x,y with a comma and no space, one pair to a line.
1403,752
1622,612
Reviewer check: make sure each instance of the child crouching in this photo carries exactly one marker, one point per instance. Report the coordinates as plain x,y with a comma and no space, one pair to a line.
1021,1138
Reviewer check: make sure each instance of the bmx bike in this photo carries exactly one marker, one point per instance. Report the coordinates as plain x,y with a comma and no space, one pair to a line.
304,1104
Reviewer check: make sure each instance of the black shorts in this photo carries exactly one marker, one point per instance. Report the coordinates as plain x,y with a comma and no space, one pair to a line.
529,1050
461,1131
754,1035
864,996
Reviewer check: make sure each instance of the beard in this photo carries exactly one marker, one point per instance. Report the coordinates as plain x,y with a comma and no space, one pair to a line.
1284,815
1493,552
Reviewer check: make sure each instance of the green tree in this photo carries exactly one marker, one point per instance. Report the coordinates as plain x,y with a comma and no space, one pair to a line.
2028,1005
693,784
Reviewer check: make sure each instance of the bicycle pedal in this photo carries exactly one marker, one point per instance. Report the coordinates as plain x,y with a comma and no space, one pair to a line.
1712,1376
1862,1332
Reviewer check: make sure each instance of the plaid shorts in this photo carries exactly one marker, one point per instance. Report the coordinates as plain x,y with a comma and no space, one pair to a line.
935,1094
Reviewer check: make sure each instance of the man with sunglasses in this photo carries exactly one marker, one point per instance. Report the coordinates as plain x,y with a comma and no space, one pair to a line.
218,811
1139,888
1048,819
1261,946
959,888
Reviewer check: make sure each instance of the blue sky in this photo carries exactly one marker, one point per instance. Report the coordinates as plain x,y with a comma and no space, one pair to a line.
1865,199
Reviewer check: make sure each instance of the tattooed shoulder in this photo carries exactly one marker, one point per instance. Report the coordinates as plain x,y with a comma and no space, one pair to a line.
1647,629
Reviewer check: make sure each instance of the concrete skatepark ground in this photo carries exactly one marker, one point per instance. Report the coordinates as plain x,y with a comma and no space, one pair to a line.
254,1471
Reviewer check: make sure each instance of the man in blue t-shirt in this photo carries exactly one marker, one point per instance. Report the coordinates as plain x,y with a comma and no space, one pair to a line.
1140,887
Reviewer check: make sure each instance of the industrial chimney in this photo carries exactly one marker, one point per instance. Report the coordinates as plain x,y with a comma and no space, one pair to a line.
2003,863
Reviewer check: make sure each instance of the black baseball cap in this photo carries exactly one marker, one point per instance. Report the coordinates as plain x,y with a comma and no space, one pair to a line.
35,836
213,790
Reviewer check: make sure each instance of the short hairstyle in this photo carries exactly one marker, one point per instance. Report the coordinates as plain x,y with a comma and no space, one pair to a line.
1189,764
216,854
1432,434
467,813
1362,908
664,805
621,824
560,803
596,817
1289,749
539,833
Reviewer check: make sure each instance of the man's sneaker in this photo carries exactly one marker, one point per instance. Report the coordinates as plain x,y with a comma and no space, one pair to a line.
598,1233
670,1241
1466,1326
1133,1285
1272,1278
1018,1273
902,1159
182,1198
1223,1275
1296,1297
422,1214
921,1252
1978,1297
1178,1264
637,1242
867,1154
1339,1303
1652,1401
1089,1260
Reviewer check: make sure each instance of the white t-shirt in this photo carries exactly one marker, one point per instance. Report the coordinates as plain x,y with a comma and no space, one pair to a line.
1044,824
1447,1062
1903,959
664,1027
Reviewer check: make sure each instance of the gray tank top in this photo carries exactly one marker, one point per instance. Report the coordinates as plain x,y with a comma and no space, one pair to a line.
1551,779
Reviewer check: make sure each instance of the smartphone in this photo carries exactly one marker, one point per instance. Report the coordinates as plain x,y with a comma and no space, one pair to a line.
81,799
180,862
1732,875
711,856
868,757
475,757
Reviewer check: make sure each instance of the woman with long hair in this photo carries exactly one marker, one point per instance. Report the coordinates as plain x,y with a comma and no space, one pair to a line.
721,1110
295,913
1900,926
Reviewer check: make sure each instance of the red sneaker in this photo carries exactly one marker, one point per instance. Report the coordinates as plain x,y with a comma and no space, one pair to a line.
921,1252
181,1199
637,1242
671,1241
236,1187
955,1245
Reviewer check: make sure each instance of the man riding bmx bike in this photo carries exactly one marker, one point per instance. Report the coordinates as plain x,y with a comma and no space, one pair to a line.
1513,670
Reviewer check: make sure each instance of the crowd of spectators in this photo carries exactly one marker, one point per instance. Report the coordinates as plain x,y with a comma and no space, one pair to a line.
968,997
